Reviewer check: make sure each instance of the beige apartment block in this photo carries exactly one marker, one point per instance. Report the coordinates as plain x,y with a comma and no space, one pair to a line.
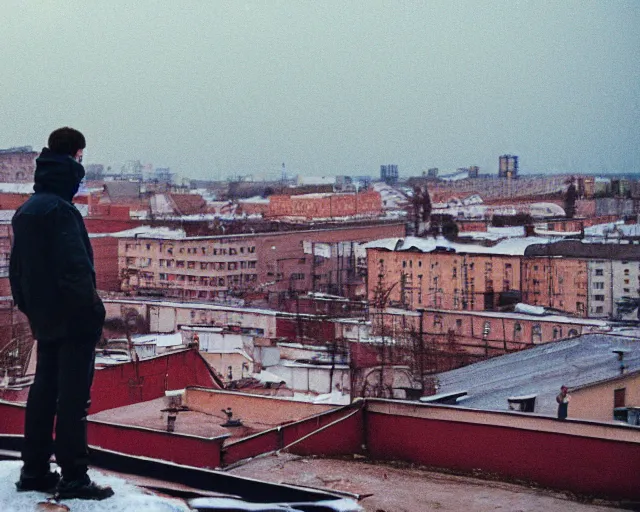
196,268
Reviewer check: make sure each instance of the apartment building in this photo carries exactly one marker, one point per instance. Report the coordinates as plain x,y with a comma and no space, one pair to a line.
599,280
420,273
610,283
556,282
218,267
197,268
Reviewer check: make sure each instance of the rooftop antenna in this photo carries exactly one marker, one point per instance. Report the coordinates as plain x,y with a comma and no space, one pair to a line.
284,173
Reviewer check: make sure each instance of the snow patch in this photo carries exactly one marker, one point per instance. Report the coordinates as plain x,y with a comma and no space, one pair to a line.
127,498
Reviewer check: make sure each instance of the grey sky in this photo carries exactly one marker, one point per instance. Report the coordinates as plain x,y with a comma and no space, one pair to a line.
332,87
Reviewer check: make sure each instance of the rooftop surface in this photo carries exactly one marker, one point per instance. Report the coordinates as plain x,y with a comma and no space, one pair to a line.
541,371
208,421
386,487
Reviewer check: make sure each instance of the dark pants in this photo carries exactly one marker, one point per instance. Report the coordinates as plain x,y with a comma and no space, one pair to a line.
62,386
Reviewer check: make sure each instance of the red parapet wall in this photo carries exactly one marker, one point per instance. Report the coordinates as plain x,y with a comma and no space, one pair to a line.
570,455
11,418
285,435
344,436
129,383
179,448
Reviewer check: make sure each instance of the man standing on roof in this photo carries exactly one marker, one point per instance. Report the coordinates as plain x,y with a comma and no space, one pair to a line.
563,402
53,284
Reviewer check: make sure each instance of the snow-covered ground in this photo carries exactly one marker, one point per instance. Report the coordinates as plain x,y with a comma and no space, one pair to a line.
127,498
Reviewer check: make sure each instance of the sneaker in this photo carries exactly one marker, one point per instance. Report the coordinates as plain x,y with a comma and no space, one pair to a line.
43,483
83,489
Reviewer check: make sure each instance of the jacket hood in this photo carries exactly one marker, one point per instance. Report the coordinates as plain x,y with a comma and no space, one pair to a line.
57,173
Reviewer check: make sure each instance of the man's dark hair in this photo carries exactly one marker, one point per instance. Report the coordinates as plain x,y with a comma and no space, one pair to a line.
66,141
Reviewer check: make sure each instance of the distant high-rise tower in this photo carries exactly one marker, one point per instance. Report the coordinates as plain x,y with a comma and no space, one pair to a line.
508,166
389,174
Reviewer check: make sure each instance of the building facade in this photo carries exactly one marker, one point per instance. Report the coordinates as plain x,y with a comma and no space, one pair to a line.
219,267
17,165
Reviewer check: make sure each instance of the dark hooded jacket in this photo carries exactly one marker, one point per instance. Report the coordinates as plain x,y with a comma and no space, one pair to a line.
51,269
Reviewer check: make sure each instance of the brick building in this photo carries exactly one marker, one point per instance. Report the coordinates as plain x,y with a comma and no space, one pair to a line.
559,283
436,273
217,267
325,206
17,165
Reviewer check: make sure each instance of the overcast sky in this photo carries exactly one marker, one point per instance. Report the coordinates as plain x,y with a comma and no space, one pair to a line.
213,89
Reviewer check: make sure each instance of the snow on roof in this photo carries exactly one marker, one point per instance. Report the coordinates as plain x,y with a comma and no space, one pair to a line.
595,323
613,230
16,188
127,497
266,376
161,340
541,370
527,308
384,243
508,247
255,200
148,232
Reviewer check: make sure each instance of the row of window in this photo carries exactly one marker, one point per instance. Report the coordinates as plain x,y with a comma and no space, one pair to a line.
210,281
536,329
205,265
203,250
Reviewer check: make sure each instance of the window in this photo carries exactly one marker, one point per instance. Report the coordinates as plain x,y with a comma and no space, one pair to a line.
599,298
536,333
619,397
191,264
252,249
298,276
404,264
517,332
203,265
599,309
163,277
626,271
437,322
233,251
598,286
599,272
162,262
486,330
180,264
458,324
557,332
454,272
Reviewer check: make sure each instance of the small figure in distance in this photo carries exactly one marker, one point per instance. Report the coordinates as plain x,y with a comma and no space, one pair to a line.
53,283
563,399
